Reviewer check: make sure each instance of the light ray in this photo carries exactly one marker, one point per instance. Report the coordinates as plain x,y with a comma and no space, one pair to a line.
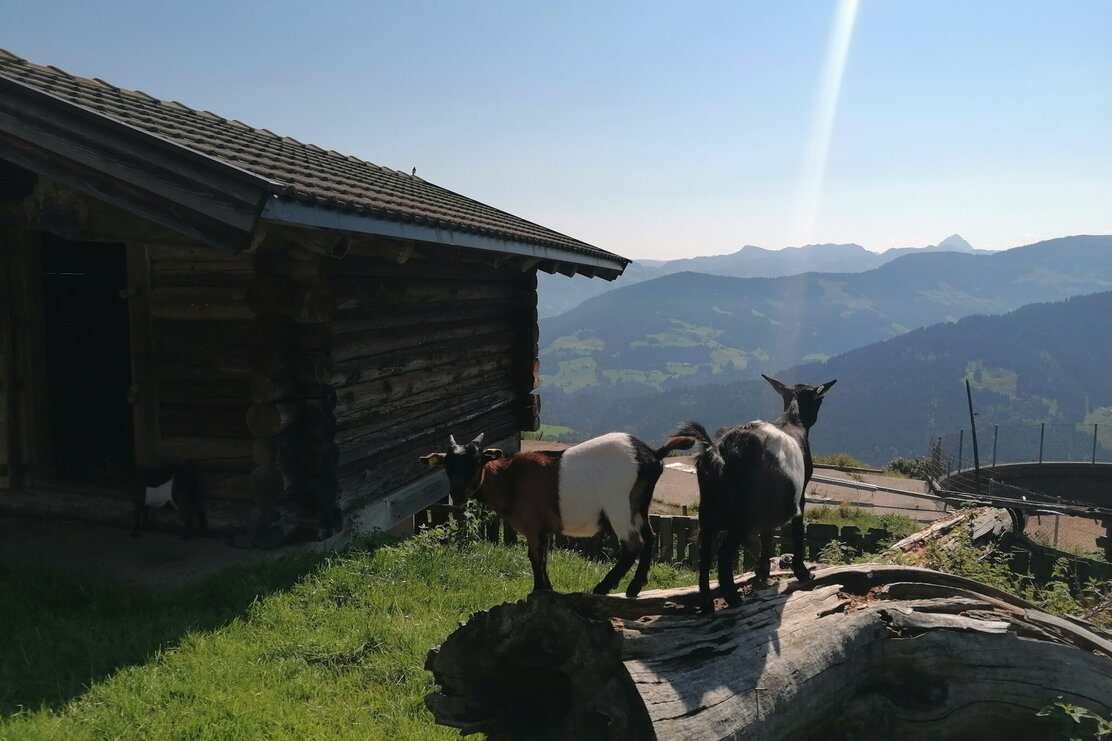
822,122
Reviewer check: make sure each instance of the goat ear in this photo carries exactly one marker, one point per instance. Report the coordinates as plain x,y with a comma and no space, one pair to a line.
452,441
478,440
433,459
780,388
492,454
825,387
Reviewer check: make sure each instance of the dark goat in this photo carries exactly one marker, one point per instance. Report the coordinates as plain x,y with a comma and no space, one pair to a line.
605,483
753,478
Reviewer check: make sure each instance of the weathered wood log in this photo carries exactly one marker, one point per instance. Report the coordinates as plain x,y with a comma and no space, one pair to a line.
985,525
311,306
319,398
267,420
360,293
200,302
312,368
434,311
382,470
281,449
271,485
190,420
361,266
200,335
182,449
380,430
454,379
205,392
861,651
186,273
348,347
460,352
269,294
268,387
216,362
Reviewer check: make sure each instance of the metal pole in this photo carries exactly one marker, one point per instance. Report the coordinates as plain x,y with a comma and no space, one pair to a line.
995,432
1042,435
973,428
961,447
1094,460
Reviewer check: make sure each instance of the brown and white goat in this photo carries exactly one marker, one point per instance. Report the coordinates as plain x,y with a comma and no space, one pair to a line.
604,483
752,479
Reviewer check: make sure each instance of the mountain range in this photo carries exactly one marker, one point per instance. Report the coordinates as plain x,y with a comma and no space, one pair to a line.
1044,362
557,294
685,329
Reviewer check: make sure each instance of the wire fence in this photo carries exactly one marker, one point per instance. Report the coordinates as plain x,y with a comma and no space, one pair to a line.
1032,443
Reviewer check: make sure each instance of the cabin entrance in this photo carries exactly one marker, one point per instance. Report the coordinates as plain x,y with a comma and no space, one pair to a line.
88,437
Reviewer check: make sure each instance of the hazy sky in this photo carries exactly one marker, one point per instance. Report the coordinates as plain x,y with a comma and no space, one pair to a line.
657,129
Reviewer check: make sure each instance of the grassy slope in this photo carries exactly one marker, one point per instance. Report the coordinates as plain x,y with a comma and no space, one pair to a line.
334,648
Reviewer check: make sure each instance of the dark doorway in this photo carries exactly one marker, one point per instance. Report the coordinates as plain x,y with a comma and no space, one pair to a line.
88,361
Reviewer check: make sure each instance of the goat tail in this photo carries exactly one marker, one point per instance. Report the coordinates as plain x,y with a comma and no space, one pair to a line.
676,442
693,430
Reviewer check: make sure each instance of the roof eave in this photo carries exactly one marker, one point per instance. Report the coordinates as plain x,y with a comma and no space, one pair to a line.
130,168
297,213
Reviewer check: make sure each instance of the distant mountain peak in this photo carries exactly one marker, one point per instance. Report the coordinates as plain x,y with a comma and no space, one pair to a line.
955,243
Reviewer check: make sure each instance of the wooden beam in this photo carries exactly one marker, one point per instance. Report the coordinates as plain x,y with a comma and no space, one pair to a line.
144,381
230,231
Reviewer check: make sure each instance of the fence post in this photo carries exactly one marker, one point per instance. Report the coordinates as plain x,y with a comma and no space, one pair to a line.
1094,460
1042,436
973,433
961,447
995,433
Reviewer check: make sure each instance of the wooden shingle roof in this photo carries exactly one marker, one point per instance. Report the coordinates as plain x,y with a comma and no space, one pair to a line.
303,175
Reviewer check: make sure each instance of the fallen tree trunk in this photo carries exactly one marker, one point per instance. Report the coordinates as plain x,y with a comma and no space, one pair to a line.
863,651
985,525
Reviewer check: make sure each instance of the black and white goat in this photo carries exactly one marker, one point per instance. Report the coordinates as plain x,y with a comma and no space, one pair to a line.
604,483
752,479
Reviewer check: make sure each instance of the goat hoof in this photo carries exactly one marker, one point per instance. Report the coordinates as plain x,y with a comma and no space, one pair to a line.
732,600
803,574
707,608
601,589
632,593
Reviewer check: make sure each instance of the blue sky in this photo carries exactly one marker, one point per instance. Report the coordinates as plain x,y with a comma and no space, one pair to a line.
655,129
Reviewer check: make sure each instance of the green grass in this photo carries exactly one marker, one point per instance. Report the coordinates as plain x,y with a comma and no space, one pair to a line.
305,648
847,515
839,459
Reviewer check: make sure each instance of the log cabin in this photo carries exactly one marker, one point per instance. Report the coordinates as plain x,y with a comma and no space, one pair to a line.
297,324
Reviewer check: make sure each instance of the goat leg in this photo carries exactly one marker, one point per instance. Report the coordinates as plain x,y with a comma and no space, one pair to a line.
727,552
799,568
629,555
648,540
762,571
706,553
539,561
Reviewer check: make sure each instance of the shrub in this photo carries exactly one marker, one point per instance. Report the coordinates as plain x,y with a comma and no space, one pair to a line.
912,468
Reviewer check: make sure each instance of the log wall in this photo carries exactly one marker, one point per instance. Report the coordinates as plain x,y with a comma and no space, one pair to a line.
424,349
200,330
362,363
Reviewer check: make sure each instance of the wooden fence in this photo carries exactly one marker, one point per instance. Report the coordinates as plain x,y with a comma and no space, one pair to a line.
676,541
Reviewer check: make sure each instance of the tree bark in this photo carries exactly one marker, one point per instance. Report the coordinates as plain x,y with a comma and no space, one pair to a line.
863,651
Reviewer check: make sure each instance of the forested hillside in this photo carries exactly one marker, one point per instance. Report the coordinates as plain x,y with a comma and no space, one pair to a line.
1041,363
691,328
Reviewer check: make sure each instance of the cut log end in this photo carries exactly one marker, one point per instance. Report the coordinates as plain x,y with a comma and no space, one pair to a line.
542,668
